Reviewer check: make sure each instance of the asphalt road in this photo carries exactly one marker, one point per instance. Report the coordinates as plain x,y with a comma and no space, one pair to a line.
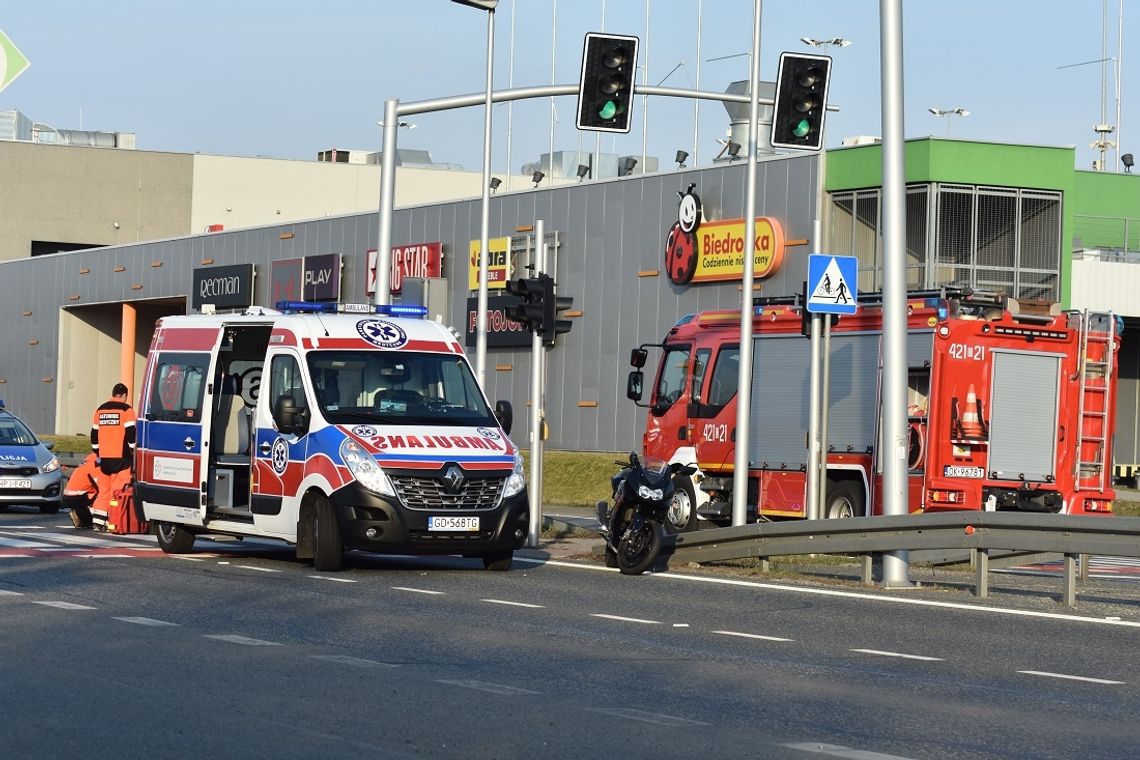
109,649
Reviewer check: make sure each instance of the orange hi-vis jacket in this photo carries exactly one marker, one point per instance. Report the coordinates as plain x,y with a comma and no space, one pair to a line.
113,436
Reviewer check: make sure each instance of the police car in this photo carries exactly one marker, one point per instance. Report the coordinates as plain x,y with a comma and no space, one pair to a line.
29,472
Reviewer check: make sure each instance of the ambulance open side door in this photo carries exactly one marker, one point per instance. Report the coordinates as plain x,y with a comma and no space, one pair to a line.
172,467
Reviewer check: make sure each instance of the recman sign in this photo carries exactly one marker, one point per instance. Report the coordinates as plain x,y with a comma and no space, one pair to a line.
228,287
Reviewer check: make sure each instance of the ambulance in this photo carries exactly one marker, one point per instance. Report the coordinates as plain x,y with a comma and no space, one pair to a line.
332,427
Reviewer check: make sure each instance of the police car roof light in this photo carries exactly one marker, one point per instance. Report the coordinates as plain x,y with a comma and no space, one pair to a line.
315,307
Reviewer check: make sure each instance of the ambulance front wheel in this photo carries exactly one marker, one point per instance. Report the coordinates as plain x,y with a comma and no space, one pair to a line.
173,539
328,547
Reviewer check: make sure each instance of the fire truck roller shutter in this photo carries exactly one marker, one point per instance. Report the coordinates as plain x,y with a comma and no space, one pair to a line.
1022,414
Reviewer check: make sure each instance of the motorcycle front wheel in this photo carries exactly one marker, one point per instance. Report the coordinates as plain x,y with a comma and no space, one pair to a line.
638,549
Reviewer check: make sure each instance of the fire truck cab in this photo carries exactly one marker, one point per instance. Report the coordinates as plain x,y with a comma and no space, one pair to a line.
330,427
1010,408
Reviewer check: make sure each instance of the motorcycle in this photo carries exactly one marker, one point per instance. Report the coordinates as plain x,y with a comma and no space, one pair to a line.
632,527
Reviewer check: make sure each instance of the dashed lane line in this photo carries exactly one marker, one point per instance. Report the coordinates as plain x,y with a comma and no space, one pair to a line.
647,717
1067,677
513,604
836,750
359,662
900,655
331,578
5,592
418,590
752,636
146,621
258,569
625,619
65,605
494,688
244,640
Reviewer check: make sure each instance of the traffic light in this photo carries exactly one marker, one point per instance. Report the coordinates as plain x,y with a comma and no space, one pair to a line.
605,92
552,326
801,101
530,312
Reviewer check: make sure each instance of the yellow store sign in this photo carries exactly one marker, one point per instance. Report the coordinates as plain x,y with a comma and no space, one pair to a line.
498,263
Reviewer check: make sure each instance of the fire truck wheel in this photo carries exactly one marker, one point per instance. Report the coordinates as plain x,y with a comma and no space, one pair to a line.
681,517
328,549
844,499
173,539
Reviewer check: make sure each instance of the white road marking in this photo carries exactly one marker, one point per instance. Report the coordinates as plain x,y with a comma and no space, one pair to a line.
494,688
418,590
187,559
331,578
344,659
27,527
146,621
1070,678
105,556
625,619
16,556
881,653
647,717
242,640
22,543
65,605
3,592
670,576
752,636
512,604
837,751
258,569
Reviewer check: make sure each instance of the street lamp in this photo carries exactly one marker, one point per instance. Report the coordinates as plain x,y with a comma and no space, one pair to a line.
947,113
835,41
484,233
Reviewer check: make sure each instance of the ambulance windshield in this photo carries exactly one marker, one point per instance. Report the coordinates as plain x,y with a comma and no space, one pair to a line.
397,388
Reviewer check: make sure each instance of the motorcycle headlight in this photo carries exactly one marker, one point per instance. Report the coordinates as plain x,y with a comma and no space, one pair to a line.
51,466
363,467
650,494
517,480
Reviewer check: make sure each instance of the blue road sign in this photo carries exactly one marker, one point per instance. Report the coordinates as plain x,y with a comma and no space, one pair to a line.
831,284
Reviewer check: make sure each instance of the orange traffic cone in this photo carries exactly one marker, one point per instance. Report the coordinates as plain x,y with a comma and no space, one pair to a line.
971,425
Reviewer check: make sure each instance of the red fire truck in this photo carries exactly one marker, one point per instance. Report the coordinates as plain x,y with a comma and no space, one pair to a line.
1010,408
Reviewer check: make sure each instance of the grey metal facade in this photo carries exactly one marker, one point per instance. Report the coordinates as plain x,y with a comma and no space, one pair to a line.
611,236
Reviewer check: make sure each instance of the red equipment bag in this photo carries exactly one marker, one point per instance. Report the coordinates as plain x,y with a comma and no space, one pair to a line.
116,513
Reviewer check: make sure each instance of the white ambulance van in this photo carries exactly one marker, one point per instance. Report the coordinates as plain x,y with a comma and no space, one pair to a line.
332,427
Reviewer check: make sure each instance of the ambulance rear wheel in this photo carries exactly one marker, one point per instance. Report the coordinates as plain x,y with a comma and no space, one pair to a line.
328,549
844,499
173,539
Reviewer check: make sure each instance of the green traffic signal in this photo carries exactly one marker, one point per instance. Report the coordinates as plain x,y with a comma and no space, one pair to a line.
801,128
608,110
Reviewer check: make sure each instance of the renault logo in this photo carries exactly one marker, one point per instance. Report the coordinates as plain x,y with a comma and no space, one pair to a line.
453,479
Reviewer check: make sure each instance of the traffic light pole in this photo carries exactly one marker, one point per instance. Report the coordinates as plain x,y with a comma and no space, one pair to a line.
537,362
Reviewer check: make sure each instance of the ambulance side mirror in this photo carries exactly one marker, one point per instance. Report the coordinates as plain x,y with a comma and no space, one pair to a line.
505,414
287,418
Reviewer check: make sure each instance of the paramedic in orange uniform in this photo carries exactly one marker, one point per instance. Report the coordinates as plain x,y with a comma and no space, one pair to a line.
113,432
81,490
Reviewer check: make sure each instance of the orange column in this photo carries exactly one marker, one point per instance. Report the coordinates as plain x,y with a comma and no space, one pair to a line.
127,350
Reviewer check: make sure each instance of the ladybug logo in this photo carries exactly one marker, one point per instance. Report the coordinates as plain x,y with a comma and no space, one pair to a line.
680,255
681,243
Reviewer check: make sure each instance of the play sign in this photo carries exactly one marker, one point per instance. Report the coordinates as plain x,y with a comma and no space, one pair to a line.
12,61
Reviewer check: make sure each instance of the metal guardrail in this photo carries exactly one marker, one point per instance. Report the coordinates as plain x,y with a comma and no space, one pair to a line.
1075,537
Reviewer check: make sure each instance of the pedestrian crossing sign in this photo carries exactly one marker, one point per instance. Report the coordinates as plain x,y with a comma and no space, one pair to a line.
831,284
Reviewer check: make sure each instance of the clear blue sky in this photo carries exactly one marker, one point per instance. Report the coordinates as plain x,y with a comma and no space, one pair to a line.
292,77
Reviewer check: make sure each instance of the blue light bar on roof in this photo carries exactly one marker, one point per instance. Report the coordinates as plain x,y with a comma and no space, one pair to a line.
411,311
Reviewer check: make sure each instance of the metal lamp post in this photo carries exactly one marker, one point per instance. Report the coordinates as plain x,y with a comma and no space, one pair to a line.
484,232
946,113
